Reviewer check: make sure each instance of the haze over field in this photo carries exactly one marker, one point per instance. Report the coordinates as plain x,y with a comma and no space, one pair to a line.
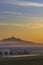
23,19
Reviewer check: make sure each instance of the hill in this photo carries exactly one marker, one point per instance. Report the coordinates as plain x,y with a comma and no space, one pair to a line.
16,41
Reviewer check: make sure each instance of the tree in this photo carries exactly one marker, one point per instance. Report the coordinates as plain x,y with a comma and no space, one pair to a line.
11,53
6,53
1,53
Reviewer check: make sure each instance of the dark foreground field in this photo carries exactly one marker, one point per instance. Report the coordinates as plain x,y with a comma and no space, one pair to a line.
33,60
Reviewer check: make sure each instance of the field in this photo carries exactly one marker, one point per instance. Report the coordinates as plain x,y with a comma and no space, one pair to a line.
32,60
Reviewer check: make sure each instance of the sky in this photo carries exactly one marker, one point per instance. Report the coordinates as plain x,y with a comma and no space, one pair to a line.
22,19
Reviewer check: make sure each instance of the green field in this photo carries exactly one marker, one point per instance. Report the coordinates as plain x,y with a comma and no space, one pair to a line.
33,60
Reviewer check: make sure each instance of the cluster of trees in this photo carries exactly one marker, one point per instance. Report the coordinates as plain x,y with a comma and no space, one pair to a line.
6,53
22,53
12,53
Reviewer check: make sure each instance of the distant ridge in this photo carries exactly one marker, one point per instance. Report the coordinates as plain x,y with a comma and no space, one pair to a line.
14,40
11,39
17,41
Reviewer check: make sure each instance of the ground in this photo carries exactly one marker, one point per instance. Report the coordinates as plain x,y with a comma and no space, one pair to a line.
32,60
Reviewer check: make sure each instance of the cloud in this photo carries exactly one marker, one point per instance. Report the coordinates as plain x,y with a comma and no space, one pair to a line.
3,24
34,25
22,25
22,3
30,4
35,4
12,24
7,12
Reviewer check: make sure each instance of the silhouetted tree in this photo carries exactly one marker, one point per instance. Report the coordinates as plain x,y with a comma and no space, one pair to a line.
1,53
25,52
11,53
6,53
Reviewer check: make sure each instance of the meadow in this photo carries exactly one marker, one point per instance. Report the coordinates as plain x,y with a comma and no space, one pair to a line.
31,60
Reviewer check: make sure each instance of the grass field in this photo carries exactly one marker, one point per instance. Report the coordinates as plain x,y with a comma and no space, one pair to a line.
32,60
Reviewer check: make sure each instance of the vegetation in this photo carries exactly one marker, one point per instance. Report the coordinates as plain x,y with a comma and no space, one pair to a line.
33,60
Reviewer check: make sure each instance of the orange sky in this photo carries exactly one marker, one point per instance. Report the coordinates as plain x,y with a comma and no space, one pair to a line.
22,19
28,32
